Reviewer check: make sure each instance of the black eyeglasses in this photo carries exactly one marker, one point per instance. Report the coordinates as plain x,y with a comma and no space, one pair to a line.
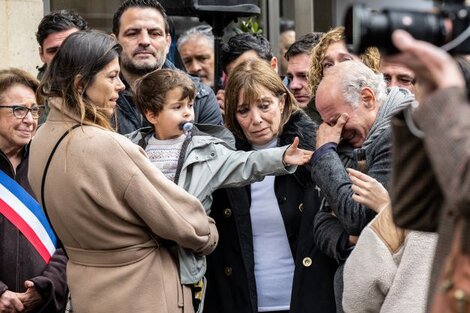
20,111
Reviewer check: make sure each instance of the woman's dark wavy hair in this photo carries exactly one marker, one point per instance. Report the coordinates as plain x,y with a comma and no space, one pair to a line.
80,57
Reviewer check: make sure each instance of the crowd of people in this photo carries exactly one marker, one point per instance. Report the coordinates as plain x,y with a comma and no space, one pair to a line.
323,182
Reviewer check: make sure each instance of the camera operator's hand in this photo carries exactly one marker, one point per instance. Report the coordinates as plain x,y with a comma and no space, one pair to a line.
434,68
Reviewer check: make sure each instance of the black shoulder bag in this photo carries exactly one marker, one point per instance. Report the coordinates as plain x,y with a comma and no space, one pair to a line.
43,202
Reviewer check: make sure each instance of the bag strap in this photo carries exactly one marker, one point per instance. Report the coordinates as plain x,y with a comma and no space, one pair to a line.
43,202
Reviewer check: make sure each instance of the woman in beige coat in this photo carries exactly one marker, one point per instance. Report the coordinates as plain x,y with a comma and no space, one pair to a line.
117,216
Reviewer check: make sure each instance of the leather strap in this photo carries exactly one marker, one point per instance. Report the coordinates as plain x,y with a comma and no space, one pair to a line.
43,202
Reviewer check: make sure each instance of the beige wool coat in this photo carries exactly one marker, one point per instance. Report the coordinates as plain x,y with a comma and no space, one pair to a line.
111,208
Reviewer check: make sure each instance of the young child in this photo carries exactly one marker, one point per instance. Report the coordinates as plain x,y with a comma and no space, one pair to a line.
202,158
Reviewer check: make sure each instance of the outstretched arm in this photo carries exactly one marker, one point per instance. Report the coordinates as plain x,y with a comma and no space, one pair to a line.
296,156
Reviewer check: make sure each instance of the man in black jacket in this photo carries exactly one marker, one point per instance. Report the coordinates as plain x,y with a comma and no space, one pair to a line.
142,29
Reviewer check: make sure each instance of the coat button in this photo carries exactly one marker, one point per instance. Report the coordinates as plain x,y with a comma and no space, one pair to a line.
228,271
307,262
212,154
227,213
301,207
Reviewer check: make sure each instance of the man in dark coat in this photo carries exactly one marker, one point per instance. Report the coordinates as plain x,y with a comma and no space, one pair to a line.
141,27
355,107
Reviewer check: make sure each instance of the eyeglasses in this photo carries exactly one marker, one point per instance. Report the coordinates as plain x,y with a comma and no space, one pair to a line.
20,111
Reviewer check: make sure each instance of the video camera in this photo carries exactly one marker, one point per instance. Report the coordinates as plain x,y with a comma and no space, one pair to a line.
447,27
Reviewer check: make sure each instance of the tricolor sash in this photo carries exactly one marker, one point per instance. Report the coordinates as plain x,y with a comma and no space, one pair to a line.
26,214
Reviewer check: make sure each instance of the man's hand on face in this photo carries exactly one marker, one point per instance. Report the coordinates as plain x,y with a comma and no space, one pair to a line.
331,132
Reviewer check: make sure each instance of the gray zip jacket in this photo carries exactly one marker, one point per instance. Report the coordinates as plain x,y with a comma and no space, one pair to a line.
209,161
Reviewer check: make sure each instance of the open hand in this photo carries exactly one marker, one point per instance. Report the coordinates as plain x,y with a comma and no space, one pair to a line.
368,191
296,156
331,132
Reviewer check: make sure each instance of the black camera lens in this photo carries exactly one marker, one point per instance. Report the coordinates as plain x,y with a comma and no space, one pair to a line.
365,28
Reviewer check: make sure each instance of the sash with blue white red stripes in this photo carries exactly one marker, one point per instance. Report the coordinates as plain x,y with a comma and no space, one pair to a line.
26,214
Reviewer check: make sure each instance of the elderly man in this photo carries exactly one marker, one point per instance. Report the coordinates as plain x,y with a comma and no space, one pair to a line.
141,28
32,279
355,107
196,48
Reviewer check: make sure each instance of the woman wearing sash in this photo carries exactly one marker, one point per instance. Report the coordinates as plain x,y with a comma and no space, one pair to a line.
31,279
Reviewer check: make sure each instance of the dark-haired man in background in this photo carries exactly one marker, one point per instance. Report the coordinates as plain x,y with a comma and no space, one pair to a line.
52,31
298,64
241,47
142,29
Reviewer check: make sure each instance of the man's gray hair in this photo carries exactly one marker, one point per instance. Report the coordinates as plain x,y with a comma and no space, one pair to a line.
204,31
355,76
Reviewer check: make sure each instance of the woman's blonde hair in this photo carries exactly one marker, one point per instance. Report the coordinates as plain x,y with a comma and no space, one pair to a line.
371,57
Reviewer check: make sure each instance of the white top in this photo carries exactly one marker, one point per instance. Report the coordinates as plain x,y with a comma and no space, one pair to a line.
164,154
274,264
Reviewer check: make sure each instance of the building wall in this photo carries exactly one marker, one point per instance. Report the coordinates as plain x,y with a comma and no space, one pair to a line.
18,21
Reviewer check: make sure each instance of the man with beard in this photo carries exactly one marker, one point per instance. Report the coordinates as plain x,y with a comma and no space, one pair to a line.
141,28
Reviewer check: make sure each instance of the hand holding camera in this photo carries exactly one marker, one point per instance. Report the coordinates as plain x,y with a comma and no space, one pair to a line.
446,27
418,40
434,68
